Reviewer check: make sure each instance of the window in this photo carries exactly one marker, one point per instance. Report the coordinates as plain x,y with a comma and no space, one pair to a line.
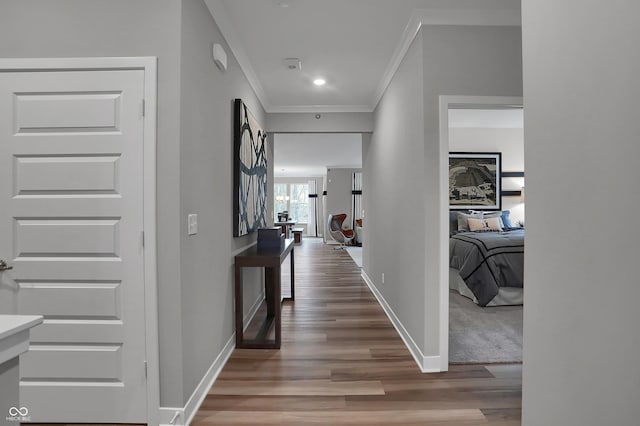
299,203
281,199
294,198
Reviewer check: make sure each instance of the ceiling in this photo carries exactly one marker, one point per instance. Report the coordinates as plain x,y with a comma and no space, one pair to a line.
355,45
309,154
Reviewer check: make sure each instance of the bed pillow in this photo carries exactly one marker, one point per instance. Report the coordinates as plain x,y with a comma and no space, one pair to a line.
485,224
463,219
479,214
502,215
453,222
506,220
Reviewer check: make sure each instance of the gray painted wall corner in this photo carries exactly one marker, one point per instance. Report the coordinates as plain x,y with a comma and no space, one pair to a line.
206,180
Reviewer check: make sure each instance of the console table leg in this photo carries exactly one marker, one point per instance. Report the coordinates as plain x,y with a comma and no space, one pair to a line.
239,307
293,277
277,306
269,284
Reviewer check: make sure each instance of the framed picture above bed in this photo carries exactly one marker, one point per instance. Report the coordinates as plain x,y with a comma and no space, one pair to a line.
474,180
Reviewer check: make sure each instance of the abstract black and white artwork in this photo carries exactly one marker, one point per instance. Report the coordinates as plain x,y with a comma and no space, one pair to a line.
474,180
250,172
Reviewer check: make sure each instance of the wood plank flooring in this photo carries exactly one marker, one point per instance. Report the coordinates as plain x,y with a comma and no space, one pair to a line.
343,363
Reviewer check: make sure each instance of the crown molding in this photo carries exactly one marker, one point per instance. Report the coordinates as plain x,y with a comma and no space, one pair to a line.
221,17
419,17
409,34
439,16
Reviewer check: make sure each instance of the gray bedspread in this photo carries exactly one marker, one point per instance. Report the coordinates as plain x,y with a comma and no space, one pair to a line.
488,260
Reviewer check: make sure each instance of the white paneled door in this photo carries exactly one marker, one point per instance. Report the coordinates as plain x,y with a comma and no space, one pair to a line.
71,221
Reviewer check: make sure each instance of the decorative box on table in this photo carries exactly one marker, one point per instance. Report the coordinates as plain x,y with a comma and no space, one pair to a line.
270,238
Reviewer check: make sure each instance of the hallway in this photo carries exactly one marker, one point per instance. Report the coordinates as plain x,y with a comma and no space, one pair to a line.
342,362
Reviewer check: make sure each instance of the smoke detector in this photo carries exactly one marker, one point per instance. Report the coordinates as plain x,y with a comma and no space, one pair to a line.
293,64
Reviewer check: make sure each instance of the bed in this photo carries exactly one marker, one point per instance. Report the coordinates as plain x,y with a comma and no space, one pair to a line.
487,266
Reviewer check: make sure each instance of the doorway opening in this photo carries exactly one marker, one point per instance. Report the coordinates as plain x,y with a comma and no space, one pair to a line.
470,332
314,177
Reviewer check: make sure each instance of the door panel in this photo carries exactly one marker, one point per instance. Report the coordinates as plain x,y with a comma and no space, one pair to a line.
80,175
84,300
98,363
80,238
71,205
71,112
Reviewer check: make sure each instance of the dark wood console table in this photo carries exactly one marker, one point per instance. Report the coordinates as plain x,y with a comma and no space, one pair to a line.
286,227
271,260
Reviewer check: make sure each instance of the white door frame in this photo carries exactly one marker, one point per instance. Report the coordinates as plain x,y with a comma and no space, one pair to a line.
149,66
446,103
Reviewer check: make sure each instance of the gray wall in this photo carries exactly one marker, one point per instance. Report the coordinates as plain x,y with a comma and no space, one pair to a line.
82,28
339,198
329,122
465,61
581,316
401,166
206,173
508,141
393,172
366,143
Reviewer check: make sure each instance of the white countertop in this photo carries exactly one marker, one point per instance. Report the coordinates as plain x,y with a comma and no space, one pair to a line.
14,334
12,324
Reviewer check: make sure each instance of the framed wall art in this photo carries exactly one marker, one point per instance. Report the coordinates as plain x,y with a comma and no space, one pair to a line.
474,180
250,172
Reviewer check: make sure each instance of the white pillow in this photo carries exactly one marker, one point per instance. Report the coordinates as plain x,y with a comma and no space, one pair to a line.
485,224
463,225
488,214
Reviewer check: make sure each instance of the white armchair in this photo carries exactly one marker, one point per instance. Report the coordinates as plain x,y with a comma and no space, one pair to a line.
339,234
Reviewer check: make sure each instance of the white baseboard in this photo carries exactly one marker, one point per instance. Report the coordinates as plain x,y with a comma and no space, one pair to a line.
172,416
427,364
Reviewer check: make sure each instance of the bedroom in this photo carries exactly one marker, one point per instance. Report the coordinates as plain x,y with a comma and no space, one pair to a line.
485,308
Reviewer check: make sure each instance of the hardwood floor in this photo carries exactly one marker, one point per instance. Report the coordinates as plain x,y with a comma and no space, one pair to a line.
342,362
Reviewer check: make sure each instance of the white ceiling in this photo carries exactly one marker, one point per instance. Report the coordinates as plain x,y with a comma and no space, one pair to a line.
356,45
309,154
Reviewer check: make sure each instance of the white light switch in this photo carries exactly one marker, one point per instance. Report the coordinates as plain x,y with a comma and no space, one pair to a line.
192,224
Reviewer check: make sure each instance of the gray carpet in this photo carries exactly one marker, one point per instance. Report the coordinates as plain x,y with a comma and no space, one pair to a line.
483,335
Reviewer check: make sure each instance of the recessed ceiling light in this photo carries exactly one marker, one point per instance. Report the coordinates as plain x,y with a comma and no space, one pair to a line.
319,81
